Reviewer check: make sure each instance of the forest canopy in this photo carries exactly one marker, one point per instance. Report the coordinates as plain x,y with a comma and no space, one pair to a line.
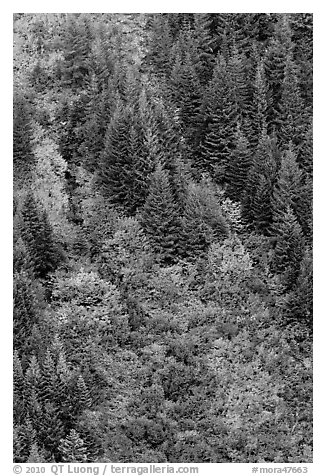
162,237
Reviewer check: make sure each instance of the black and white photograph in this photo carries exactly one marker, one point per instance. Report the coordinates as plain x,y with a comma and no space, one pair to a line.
162,238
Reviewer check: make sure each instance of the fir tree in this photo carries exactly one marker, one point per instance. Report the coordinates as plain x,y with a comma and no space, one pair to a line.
289,249
77,47
237,167
304,206
48,381
22,139
261,100
124,170
261,204
287,190
159,217
240,91
275,60
25,311
186,97
257,204
24,437
18,390
38,237
160,44
204,42
292,112
72,449
35,455
84,398
301,306
305,154
51,430
220,122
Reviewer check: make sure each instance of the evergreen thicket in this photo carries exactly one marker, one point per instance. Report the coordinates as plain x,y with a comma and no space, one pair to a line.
163,304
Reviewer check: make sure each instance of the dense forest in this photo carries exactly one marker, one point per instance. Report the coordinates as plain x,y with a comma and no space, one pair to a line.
162,238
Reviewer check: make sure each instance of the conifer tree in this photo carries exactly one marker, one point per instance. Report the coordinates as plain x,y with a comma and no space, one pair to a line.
261,204
204,42
301,307
275,60
302,29
25,311
220,122
240,91
237,167
304,208
18,390
160,44
22,139
159,217
289,249
77,47
98,111
35,455
287,190
48,381
31,392
124,171
24,437
186,97
261,100
305,154
51,429
257,204
83,395
292,112
72,449
37,235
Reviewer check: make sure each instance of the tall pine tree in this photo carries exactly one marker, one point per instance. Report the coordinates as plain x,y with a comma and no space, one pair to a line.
159,217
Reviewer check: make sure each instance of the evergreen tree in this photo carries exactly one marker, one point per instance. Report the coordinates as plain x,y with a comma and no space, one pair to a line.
186,98
304,208
84,398
237,167
275,60
38,238
51,430
18,390
257,205
305,154
204,42
124,170
302,36
261,100
240,91
160,44
159,217
301,307
292,112
24,437
48,381
287,190
220,122
22,139
25,312
35,455
98,112
72,449
261,204
289,249
77,47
